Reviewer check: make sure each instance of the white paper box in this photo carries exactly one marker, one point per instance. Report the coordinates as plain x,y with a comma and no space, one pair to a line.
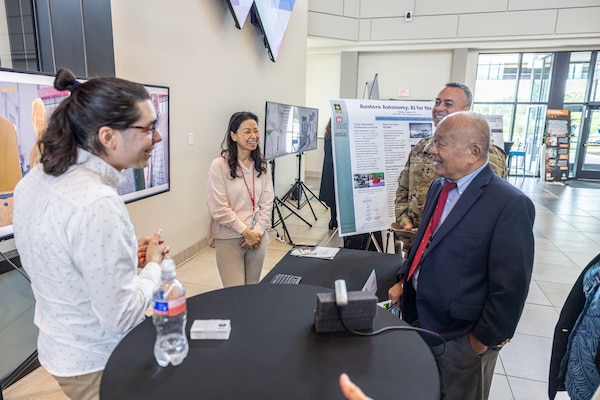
210,329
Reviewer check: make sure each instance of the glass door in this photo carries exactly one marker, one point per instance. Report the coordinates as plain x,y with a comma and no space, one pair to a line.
532,96
576,112
588,159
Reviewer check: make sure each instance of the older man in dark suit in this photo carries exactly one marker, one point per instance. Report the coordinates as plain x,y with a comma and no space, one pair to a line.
468,277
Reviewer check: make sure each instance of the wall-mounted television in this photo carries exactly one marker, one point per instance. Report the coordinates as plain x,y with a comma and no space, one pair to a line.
26,102
272,17
289,129
240,10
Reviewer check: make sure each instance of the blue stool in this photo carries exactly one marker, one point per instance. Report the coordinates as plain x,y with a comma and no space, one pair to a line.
516,153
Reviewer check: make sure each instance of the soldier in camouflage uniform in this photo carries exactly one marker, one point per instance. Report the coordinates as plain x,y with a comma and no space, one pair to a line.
415,179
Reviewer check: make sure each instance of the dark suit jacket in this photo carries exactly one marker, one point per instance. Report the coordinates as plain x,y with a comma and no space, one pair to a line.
475,273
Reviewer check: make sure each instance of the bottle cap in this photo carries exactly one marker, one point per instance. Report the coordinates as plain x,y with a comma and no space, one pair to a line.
168,265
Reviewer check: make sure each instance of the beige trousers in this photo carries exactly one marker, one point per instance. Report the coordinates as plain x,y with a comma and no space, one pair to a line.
239,266
81,387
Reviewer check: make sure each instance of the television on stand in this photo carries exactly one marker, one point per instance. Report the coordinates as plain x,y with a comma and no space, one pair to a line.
289,129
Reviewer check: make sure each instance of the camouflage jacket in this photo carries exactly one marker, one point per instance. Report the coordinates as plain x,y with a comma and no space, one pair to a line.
417,176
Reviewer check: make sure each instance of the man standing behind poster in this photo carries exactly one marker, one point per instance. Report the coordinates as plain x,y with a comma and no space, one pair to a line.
415,179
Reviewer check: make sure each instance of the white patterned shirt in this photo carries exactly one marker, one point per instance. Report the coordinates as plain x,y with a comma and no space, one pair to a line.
78,245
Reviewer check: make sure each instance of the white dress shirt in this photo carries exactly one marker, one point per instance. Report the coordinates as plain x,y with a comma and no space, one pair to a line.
78,245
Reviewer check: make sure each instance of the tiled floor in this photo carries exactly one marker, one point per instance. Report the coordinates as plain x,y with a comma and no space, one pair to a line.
567,230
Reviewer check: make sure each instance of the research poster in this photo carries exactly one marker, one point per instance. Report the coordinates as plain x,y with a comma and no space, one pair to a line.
496,123
371,143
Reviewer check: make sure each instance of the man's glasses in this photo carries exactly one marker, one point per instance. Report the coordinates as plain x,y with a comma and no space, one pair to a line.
148,129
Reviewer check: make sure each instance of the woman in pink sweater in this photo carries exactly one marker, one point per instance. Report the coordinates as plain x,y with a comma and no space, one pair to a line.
239,196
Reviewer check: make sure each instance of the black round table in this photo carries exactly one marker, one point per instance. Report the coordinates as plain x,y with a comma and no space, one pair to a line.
273,352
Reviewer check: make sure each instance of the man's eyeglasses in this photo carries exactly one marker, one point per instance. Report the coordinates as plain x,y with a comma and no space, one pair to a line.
148,129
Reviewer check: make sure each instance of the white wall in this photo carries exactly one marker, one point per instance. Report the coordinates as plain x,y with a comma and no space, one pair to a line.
322,84
422,73
460,20
213,70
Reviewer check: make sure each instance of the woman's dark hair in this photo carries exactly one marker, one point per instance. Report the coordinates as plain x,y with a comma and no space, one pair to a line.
98,102
229,147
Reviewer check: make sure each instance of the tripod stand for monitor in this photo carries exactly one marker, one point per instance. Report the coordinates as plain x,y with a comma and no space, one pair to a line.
299,188
277,203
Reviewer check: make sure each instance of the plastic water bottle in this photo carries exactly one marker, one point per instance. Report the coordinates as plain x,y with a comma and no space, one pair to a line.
169,317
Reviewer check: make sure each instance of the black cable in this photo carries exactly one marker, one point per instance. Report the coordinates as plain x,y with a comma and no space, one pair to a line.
394,327
20,270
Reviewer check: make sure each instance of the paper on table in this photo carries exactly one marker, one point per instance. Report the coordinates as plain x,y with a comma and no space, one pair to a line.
371,284
325,253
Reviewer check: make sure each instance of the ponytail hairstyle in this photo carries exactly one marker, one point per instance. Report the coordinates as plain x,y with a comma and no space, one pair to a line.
98,102
229,147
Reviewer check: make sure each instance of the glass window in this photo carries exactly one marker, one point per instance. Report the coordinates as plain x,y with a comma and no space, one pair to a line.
577,78
534,82
17,36
596,84
524,117
506,110
519,92
528,133
496,77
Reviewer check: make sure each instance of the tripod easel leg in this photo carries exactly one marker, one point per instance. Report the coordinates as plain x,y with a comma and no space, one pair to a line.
277,202
294,212
302,187
286,233
375,243
299,188
313,195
